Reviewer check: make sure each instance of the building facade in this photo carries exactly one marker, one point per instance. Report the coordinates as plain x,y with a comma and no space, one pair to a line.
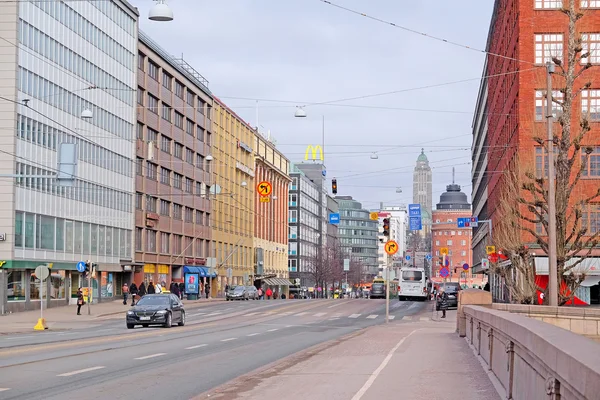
173,139
333,232
67,123
271,225
398,226
359,235
233,193
422,191
510,109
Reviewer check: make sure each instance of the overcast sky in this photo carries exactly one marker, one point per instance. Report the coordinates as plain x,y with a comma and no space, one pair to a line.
306,51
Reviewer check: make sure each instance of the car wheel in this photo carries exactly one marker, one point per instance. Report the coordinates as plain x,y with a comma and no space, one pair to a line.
130,326
182,322
169,321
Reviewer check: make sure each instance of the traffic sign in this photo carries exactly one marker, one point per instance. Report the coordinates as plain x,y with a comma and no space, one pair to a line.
81,266
264,188
415,223
490,249
391,247
334,218
428,257
42,272
407,257
374,216
444,272
414,210
466,266
444,251
485,263
264,199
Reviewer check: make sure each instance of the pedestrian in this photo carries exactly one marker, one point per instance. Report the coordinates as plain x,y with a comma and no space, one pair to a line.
181,290
175,289
142,290
151,289
443,301
207,289
133,290
269,293
260,293
487,287
158,288
125,293
227,288
80,301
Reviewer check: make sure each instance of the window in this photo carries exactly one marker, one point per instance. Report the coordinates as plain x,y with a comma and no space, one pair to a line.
178,89
139,134
548,4
138,239
189,156
177,213
437,242
540,104
449,242
179,120
189,185
591,218
541,156
590,3
165,144
293,265
152,70
199,217
141,59
459,233
293,248
177,180
138,200
167,80
139,165
463,253
150,241
293,216
152,171
199,133
590,43
593,162
177,239
152,104
164,242
293,232
151,203
178,151
165,208
199,161
189,127
166,112
152,135
293,199
189,214
463,242
190,98
140,96
547,46
590,102
165,176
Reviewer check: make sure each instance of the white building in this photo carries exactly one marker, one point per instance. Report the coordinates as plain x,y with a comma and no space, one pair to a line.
398,224
58,60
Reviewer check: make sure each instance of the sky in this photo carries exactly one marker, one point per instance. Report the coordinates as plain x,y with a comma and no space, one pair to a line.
288,53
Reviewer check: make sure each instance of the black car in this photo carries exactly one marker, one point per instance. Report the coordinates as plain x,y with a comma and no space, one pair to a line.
452,289
156,309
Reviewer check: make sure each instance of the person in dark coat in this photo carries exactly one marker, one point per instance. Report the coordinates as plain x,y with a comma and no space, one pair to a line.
80,301
151,289
207,289
142,290
133,290
181,290
175,289
487,287
443,301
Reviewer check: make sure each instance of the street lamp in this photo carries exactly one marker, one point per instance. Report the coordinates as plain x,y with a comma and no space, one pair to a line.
244,184
209,158
160,12
87,114
374,156
301,113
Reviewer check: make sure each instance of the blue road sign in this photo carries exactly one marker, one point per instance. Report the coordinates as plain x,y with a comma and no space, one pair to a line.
428,257
415,223
461,222
334,218
466,266
444,272
407,257
414,210
81,266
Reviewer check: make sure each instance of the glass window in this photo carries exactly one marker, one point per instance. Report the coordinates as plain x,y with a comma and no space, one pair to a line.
45,232
60,234
16,285
548,46
18,229
69,236
29,230
138,239
57,285
34,288
590,104
109,240
116,239
78,236
101,241
94,239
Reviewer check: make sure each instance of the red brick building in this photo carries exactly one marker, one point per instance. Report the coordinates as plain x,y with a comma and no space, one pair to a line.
524,35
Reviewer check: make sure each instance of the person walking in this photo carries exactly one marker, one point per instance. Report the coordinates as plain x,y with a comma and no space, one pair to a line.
260,293
181,290
207,289
151,289
269,293
80,301
133,290
443,301
175,289
158,288
125,293
142,290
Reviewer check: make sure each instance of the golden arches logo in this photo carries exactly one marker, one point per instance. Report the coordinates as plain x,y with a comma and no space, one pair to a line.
314,150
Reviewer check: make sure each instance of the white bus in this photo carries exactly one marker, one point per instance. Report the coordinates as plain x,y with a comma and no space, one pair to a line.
413,284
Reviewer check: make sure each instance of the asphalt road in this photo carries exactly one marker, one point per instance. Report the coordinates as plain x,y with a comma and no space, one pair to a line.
219,343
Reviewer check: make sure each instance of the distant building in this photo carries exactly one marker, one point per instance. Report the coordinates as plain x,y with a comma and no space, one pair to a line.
332,229
398,226
422,191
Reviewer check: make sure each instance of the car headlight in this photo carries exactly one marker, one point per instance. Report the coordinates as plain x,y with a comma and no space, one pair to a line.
130,313
162,312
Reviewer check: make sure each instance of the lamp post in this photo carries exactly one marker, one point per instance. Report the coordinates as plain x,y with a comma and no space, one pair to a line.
160,12
301,113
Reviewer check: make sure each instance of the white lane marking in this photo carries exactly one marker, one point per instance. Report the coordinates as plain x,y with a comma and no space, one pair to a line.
228,340
376,373
273,330
354,316
251,314
333,319
407,318
287,313
337,315
195,315
320,314
372,316
301,314
81,371
424,319
227,309
338,304
253,334
195,347
67,333
17,338
213,314
392,317
289,326
4,389
151,356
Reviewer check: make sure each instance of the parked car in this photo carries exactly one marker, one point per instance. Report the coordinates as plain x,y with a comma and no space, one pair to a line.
252,292
156,309
452,289
237,293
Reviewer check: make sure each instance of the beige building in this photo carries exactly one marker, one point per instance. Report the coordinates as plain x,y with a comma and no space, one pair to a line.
233,190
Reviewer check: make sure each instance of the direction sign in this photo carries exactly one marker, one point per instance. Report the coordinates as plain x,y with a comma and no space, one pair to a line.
466,266
415,223
490,249
414,210
374,216
407,257
81,266
265,199
42,272
264,188
444,272
391,247
334,218
428,257
444,251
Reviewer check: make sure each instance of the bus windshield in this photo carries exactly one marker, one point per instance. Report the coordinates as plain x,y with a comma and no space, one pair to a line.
412,276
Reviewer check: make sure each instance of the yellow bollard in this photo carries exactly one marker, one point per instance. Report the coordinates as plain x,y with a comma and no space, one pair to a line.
41,325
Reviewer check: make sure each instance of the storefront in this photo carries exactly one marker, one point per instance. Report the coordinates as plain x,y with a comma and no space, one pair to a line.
155,273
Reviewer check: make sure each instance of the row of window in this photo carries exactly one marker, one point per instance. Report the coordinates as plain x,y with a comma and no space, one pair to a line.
83,191
590,104
48,92
449,242
452,233
34,231
118,16
46,136
557,4
171,244
170,209
45,45
64,14
551,45
592,168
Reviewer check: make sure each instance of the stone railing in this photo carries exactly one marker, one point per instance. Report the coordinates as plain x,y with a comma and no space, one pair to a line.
531,359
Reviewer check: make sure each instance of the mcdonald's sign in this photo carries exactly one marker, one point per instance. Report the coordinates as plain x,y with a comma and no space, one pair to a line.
314,150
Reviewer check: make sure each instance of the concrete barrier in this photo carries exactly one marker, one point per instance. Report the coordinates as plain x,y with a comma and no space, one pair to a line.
470,297
532,359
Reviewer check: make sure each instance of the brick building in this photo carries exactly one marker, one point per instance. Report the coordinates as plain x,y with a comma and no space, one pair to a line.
509,113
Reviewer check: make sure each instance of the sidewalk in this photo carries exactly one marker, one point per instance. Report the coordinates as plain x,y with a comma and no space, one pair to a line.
402,360
64,318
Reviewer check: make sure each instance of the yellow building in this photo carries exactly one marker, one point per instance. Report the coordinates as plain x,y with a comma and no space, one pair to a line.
233,190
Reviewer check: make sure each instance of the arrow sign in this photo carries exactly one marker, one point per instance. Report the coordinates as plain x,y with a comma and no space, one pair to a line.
264,188
391,247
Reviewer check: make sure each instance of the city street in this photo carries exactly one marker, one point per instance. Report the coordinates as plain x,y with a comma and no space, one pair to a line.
220,342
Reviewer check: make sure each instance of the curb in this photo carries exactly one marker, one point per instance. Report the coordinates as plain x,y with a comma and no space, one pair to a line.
192,306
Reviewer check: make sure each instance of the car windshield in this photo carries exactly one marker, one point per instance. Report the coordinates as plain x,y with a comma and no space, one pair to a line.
377,286
239,289
154,301
451,289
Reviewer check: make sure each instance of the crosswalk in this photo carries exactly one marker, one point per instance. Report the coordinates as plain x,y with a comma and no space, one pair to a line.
332,316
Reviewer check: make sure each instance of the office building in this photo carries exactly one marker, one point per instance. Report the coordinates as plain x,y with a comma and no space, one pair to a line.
422,192
68,86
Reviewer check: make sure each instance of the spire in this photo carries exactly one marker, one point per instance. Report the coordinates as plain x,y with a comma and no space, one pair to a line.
453,182
422,150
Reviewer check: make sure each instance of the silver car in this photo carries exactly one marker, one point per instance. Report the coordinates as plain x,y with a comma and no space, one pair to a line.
237,293
252,292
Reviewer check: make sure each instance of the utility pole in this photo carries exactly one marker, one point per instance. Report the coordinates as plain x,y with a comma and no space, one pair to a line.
552,264
390,261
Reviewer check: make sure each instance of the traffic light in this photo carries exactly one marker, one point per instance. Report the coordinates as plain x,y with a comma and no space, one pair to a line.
334,186
386,227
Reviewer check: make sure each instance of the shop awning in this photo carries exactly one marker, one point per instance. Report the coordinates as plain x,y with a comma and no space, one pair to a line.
202,271
277,282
